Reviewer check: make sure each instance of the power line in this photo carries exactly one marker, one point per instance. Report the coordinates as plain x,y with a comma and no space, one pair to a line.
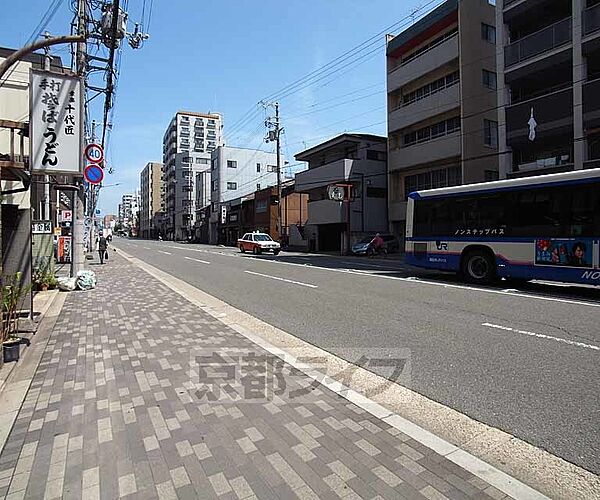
349,53
46,18
326,70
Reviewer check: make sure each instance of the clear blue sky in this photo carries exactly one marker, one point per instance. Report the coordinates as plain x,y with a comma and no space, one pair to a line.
227,55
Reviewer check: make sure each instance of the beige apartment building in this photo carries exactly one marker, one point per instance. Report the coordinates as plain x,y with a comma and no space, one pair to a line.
151,187
442,106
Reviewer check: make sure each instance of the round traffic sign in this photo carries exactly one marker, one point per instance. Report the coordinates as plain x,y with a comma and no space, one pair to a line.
94,153
93,174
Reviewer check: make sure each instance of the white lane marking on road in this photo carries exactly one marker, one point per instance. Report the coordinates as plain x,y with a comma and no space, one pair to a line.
166,253
197,260
542,336
282,279
417,280
146,248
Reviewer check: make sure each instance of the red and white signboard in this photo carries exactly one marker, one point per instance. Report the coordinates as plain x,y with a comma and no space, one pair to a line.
66,216
94,153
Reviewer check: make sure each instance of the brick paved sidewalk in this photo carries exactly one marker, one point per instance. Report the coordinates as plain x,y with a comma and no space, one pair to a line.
113,412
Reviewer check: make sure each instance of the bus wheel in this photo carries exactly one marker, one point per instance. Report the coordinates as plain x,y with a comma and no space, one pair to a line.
479,267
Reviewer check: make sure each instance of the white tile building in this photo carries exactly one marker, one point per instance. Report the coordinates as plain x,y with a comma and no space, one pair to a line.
238,172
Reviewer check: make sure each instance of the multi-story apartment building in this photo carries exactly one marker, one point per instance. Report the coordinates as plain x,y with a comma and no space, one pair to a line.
150,200
187,146
442,112
548,93
235,173
128,209
357,160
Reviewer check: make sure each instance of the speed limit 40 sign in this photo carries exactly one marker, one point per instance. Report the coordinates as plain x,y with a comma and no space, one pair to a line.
94,153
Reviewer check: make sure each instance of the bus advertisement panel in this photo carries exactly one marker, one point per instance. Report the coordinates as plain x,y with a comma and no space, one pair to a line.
564,252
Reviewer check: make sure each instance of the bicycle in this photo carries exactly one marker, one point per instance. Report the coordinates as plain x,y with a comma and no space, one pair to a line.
372,252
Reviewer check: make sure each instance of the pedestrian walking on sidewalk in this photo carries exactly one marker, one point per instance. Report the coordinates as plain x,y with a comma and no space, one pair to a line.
102,248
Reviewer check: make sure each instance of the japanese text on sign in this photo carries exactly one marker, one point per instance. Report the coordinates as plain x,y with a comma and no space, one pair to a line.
55,122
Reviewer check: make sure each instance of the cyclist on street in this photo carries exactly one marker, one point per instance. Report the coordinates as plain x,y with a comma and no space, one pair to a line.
376,244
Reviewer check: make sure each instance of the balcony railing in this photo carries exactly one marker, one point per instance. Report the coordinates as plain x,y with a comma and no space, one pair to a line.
591,19
15,156
551,112
549,38
594,163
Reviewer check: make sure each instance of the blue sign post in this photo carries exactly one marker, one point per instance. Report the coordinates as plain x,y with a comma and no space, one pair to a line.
93,174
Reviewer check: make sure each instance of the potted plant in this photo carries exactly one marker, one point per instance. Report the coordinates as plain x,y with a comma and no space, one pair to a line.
44,280
13,295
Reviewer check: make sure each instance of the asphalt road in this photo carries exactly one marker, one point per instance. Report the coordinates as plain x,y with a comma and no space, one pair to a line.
526,361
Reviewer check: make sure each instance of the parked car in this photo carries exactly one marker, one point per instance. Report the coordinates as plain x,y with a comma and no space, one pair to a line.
258,243
391,244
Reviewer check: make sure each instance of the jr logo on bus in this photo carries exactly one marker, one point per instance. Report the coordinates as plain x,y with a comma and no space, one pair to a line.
441,245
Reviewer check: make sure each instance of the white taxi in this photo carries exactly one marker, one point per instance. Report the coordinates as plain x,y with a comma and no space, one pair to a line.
258,243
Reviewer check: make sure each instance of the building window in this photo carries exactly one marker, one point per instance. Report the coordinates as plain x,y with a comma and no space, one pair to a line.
490,133
232,186
376,155
431,132
231,164
488,33
376,192
443,177
258,167
258,187
489,79
186,159
215,185
202,161
261,206
431,88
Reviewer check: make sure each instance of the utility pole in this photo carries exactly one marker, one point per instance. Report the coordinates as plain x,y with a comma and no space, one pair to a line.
77,245
278,143
275,135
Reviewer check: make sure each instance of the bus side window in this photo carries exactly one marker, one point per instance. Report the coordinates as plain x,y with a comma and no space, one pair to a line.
538,213
584,212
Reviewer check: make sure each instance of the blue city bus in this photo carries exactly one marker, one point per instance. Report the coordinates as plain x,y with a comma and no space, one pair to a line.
544,227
